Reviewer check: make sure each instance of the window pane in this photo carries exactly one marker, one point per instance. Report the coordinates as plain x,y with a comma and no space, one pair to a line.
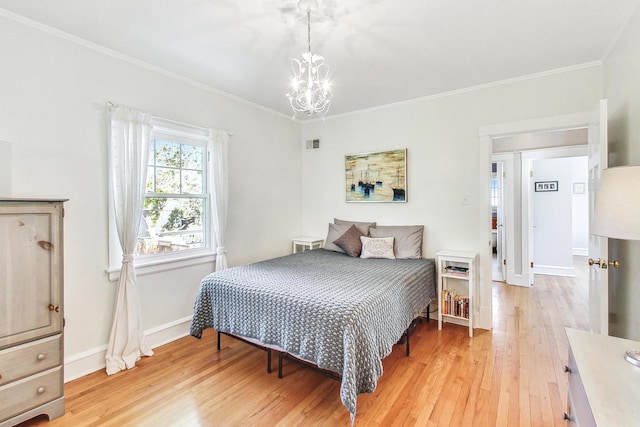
167,180
167,153
191,182
192,157
170,225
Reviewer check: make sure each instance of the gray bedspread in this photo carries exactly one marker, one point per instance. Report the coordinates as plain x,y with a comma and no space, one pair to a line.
343,314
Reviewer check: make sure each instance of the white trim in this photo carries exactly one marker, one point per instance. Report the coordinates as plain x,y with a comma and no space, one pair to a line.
508,209
484,286
166,265
552,270
92,360
484,317
563,122
580,251
115,54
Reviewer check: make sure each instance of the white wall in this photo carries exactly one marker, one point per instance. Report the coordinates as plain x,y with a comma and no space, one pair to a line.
622,88
580,206
446,162
6,189
53,111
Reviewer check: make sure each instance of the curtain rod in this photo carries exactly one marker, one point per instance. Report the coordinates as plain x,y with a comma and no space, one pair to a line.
114,106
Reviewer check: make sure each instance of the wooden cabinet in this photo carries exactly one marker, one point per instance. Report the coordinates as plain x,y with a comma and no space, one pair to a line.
31,310
457,281
603,387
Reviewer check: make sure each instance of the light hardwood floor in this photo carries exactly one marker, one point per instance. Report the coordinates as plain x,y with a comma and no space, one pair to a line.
511,376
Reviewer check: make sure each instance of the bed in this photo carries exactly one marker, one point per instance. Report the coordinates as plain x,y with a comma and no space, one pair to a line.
340,313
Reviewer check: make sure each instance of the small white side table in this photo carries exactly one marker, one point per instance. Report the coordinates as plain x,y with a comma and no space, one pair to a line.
306,243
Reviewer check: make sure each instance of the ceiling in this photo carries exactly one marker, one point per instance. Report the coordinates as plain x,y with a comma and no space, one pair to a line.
380,51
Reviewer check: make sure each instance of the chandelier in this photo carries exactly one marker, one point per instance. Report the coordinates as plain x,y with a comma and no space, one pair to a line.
310,83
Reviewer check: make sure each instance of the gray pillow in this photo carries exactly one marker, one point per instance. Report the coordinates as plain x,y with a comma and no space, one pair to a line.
350,242
334,232
362,226
408,239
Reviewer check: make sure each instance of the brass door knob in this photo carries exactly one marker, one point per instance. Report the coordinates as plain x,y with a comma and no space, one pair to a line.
604,264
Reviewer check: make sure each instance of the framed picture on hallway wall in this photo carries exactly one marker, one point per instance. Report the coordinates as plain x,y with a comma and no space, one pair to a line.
376,177
546,186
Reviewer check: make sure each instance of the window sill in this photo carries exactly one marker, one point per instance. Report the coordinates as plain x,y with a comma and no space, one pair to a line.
143,269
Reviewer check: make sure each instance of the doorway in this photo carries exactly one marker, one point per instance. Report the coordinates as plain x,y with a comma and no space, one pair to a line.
489,138
539,239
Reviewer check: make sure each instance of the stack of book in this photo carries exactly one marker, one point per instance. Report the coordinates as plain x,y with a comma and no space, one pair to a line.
455,305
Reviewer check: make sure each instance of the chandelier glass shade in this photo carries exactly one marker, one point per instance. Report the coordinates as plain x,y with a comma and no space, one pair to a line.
310,85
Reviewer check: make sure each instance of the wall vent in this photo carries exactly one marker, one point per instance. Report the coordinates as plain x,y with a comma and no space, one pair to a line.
313,144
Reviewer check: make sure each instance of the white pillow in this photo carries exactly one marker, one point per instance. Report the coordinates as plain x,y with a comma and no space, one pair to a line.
377,247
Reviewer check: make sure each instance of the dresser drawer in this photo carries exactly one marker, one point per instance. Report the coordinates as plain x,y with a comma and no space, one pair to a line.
27,393
578,403
27,359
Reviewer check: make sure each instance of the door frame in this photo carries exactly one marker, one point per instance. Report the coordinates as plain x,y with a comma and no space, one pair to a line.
505,213
486,134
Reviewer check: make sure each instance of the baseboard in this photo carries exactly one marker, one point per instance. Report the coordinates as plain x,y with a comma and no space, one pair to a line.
483,321
551,270
92,360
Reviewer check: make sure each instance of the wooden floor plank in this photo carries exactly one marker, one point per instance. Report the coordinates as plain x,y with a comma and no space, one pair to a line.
510,376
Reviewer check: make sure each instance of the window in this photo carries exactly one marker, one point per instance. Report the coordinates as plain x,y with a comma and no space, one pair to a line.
494,192
175,224
174,217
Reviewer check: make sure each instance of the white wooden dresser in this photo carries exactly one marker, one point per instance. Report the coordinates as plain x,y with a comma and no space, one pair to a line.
31,310
604,389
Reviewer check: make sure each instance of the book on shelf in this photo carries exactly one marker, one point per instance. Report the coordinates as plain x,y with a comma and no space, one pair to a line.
455,305
453,269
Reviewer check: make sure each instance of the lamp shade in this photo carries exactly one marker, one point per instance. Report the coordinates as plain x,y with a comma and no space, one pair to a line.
617,210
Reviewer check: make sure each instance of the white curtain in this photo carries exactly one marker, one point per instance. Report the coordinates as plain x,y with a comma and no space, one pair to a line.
218,183
128,160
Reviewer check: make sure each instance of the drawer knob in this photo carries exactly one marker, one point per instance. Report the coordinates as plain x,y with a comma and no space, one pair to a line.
566,416
567,369
40,390
41,356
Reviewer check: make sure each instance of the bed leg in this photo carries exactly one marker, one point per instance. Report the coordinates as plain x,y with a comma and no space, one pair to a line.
408,348
279,364
268,361
218,340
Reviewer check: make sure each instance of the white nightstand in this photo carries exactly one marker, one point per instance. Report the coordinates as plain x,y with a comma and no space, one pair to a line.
306,243
457,281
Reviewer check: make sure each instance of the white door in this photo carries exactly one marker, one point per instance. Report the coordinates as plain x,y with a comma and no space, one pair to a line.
501,252
598,246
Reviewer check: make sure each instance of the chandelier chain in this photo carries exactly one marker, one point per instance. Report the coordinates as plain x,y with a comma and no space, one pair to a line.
309,29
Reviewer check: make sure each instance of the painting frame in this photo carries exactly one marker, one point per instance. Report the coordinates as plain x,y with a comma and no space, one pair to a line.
543,186
376,177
